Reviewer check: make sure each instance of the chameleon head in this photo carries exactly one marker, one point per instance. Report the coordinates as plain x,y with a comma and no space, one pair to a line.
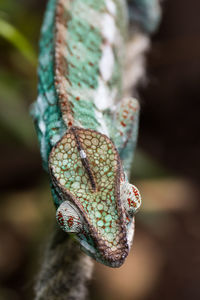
93,197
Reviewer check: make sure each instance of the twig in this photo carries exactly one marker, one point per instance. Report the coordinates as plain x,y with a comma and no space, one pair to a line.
65,271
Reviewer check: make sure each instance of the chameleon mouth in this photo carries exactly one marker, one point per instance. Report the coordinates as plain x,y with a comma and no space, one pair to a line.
116,258
105,256
111,254
116,263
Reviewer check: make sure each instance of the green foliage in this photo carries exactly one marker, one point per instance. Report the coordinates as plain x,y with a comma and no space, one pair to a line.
19,32
11,34
14,116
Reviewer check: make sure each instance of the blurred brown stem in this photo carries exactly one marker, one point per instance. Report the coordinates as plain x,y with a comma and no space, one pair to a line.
65,270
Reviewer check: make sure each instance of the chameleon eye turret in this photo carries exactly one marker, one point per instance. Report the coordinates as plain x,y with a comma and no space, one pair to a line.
131,198
68,218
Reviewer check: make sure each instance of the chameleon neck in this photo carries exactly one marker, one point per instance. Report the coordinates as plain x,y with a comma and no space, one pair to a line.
88,60
79,68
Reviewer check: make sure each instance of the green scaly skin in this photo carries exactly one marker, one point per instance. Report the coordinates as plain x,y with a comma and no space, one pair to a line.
86,132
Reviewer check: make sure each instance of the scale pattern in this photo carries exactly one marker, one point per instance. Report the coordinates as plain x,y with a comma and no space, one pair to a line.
88,61
46,111
99,200
126,130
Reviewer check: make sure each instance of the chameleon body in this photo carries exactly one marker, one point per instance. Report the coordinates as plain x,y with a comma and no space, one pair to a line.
146,14
85,129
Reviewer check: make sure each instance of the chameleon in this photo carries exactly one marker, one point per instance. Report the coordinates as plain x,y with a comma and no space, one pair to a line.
87,130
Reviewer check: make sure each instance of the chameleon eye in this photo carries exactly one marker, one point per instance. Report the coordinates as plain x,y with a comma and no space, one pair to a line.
68,218
131,198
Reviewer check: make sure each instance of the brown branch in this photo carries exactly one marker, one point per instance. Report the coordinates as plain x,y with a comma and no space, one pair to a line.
65,271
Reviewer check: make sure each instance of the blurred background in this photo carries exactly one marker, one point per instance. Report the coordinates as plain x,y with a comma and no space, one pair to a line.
165,260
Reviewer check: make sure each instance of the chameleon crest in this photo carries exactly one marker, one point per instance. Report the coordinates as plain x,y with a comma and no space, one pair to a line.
87,131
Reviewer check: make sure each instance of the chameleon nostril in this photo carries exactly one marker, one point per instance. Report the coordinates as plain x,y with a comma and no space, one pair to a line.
123,256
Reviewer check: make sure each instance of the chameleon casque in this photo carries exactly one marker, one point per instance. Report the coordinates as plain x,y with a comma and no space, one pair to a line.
87,131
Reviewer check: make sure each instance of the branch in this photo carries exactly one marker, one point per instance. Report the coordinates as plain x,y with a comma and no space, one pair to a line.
65,271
